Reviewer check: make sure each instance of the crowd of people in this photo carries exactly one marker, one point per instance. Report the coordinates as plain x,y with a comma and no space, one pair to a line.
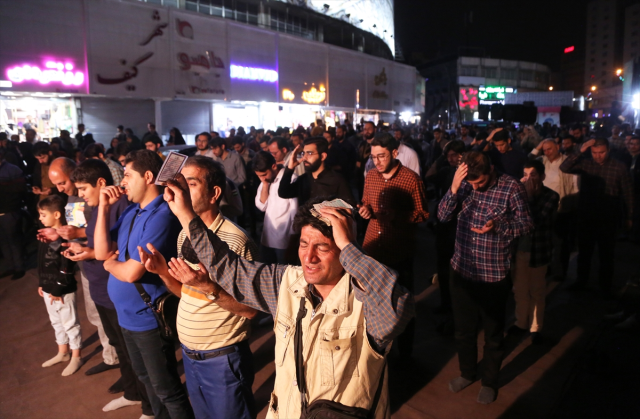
511,205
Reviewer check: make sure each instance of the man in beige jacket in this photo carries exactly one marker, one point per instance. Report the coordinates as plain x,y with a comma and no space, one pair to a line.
351,307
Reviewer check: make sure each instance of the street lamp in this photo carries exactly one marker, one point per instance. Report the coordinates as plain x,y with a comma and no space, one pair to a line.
618,72
550,88
593,88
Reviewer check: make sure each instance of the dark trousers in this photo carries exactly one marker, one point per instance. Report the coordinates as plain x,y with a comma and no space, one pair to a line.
445,247
220,387
11,240
566,228
474,302
601,232
133,388
405,340
154,361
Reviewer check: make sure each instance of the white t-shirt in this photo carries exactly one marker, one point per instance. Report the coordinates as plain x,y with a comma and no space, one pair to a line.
279,214
552,175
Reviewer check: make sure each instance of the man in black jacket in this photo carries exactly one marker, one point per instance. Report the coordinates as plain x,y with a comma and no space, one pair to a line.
316,181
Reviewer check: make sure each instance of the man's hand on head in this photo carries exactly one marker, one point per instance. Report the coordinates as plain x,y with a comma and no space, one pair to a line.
110,195
587,145
177,196
341,225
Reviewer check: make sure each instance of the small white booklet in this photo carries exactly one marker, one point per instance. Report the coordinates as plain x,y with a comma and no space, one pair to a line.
171,167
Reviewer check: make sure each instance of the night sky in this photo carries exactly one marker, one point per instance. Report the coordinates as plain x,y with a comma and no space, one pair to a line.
535,31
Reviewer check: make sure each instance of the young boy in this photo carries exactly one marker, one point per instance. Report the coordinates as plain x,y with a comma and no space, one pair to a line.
58,288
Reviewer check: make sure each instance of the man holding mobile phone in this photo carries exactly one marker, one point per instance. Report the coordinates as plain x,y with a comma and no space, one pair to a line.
493,212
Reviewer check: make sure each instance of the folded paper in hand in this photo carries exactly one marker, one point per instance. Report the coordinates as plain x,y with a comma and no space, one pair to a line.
336,203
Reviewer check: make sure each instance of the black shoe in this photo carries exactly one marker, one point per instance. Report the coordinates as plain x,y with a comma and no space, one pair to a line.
516,331
101,367
117,387
17,275
536,338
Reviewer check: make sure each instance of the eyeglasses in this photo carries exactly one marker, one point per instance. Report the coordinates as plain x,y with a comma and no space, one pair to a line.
381,157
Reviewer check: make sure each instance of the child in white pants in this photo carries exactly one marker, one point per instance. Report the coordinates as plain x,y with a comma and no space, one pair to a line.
58,289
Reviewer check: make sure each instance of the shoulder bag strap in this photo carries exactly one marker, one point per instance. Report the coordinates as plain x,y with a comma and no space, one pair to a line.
376,399
143,294
299,357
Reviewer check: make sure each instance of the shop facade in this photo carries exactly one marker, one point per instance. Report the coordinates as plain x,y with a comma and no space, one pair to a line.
106,63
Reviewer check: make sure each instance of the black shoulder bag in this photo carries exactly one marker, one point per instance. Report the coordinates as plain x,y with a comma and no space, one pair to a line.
326,409
165,309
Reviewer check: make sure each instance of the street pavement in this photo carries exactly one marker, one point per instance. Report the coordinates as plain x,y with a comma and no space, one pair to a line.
586,369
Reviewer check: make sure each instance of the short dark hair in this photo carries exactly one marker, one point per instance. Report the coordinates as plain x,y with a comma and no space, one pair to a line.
282,143
151,125
456,146
94,150
262,161
153,139
214,173
89,171
53,203
321,143
502,135
601,142
536,164
206,134
478,164
368,122
264,139
237,140
304,218
570,138
218,142
41,148
331,131
143,161
385,140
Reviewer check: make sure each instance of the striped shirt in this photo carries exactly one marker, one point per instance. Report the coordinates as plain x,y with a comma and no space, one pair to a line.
202,324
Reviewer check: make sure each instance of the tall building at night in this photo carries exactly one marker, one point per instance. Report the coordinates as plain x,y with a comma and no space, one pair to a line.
199,65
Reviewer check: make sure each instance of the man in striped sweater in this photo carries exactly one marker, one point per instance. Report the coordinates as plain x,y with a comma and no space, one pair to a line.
212,326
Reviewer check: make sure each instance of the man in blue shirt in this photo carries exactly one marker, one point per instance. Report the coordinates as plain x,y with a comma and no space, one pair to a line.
148,220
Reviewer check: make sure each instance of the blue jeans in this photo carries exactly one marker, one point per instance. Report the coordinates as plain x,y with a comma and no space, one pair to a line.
154,361
220,387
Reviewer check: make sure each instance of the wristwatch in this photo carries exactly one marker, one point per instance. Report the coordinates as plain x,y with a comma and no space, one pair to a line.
212,296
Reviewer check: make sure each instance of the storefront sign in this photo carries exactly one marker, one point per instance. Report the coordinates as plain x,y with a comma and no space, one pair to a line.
53,72
253,74
495,93
288,94
314,95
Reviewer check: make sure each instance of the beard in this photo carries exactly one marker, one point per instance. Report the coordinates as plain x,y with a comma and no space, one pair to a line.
312,167
368,136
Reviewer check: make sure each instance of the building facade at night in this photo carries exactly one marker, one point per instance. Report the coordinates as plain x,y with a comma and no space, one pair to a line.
456,86
198,65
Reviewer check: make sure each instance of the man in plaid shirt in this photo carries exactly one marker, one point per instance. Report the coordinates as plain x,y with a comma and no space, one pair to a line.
493,212
394,201
534,253
605,185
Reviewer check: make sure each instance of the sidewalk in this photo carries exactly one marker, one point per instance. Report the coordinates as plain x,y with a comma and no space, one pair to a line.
555,380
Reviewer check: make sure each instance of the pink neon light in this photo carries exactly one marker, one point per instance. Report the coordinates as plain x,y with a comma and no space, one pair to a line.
53,72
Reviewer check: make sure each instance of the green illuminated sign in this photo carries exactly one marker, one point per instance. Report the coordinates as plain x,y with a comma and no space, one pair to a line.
494,92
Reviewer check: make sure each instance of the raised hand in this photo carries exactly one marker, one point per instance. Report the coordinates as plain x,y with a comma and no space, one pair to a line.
177,196
110,195
47,235
153,262
461,174
341,226
587,145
